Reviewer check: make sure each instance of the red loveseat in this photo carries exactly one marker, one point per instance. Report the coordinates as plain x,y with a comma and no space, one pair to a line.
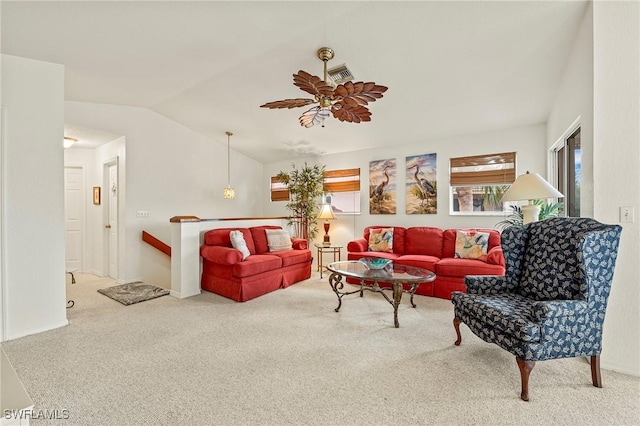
434,249
225,273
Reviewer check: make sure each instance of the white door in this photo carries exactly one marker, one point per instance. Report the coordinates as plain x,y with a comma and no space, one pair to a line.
74,190
112,227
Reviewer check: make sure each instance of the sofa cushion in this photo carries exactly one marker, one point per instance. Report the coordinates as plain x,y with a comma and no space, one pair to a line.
423,240
260,237
256,264
462,267
221,237
398,237
419,261
278,240
381,239
238,243
449,242
293,257
472,245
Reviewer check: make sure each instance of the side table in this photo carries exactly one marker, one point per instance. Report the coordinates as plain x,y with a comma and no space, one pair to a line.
322,249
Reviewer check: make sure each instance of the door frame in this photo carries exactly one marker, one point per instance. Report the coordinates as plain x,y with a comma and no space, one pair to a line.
105,216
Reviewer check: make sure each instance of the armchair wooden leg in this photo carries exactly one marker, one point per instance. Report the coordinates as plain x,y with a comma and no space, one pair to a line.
456,325
596,378
525,369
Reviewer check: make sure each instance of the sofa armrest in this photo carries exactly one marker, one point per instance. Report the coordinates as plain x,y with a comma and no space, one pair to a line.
489,284
299,244
495,256
221,255
546,309
358,245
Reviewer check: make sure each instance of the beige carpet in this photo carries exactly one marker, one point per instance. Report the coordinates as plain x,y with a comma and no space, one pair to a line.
288,359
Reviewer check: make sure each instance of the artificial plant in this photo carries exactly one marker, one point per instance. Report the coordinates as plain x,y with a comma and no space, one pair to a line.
305,188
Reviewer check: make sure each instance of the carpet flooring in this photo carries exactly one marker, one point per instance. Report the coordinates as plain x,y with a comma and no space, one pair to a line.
287,358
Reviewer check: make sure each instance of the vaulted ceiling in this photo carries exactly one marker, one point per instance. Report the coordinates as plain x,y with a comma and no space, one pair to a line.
452,67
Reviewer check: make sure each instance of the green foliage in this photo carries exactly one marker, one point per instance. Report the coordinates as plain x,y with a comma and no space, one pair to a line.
515,217
305,188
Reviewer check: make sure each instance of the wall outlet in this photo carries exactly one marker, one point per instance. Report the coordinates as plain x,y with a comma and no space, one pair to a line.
626,214
143,213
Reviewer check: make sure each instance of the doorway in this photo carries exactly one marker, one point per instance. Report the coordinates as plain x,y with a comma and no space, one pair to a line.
74,217
111,209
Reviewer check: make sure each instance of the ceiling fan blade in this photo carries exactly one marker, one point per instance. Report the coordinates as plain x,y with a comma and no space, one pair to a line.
358,93
315,115
345,112
288,103
312,84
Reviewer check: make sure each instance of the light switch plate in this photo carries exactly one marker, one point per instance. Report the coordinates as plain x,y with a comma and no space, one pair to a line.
143,213
626,214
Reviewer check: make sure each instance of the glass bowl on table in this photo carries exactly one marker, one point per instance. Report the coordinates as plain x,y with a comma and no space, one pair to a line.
375,263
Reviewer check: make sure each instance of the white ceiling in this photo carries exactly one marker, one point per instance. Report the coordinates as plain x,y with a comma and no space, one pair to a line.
451,67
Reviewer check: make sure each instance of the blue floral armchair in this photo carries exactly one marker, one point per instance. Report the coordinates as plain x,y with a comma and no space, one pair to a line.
552,300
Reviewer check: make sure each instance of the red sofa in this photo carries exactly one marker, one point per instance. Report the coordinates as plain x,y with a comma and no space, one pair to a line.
434,249
225,273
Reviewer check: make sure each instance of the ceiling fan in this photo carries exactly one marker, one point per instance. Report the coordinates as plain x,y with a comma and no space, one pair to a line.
347,102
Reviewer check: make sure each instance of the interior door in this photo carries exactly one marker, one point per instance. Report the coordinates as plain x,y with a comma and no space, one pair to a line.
74,190
112,226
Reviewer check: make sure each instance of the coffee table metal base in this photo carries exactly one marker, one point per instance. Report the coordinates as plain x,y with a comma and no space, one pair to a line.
396,289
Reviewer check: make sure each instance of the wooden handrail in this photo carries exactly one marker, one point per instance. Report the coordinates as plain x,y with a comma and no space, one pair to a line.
153,241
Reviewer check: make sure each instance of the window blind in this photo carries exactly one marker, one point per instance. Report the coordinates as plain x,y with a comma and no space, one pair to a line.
279,191
478,170
343,180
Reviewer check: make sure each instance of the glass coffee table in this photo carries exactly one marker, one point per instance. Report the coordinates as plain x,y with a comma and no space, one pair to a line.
370,279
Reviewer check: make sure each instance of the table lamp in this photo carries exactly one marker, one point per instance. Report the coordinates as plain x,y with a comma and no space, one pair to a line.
530,186
326,213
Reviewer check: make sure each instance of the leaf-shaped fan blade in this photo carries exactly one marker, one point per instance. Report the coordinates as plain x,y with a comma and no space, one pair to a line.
315,115
312,84
350,114
288,103
358,93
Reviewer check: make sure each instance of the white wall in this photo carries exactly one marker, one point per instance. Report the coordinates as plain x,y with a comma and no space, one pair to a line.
616,171
170,171
575,101
527,141
33,197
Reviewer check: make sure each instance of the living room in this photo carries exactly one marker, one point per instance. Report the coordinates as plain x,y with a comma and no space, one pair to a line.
162,160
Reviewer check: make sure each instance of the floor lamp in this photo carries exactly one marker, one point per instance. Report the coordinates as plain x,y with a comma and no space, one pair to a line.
530,186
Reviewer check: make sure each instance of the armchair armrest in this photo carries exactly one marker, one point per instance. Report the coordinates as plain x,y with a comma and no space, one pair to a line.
299,244
221,255
358,245
489,284
545,309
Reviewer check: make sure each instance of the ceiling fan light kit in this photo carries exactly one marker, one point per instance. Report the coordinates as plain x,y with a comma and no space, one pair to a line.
347,102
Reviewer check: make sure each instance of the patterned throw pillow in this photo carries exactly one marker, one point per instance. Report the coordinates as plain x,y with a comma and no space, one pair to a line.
238,243
381,239
278,240
472,245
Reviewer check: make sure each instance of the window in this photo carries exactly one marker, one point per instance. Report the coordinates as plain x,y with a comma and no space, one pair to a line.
342,188
279,191
478,183
568,172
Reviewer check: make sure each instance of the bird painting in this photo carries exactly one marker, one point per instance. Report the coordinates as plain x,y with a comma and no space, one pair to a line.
381,196
421,187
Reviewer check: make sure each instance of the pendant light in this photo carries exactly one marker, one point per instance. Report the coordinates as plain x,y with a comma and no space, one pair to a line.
229,192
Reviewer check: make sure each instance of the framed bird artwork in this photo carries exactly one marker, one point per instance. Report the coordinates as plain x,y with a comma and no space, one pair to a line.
382,186
421,184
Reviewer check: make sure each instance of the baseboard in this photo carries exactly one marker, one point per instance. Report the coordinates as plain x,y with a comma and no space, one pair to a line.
179,295
617,368
28,332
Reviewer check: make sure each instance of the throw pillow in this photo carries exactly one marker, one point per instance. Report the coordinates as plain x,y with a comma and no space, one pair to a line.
381,239
472,245
238,243
278,239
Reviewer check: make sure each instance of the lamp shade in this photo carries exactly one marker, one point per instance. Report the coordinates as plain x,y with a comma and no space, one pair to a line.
326,212
530,186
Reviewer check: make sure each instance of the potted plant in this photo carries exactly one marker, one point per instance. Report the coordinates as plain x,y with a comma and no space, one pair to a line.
515,217
305,189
